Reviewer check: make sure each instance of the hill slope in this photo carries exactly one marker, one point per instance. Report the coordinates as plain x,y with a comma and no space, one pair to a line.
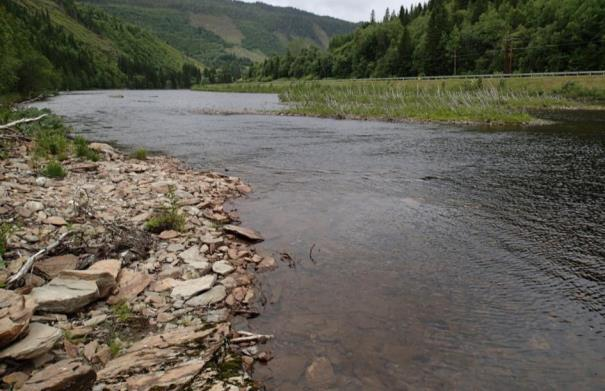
60,44
216,32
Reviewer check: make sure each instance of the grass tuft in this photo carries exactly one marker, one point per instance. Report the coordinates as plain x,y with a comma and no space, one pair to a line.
168,217
51,142
140,154
54,169
83,151
122,311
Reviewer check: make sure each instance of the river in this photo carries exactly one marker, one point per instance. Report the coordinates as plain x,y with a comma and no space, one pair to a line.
444,257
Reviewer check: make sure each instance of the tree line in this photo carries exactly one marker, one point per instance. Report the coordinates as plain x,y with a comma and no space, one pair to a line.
449,37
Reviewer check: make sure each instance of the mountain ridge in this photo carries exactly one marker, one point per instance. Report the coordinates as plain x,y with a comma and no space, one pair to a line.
218,32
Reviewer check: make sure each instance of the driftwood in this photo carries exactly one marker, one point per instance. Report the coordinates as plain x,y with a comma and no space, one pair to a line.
30,261
32,100
22,121
250,337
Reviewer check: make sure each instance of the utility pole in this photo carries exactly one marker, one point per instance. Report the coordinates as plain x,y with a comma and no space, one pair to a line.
508,65
455,62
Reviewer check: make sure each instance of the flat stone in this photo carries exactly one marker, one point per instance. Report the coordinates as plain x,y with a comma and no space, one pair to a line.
244,189
267,264
172,379
320,373
111,266
157,350
209,239
84,167
38,341
16,312
90,349
65,295
216,316
24,212
164,284
164,317
192,253
70,374
95,320
181,336
191,288
55,220
16,380
103,272
222,267
194,258
166,235
130,284
246,233
141,217
175,247
51,267
214,295
34,206
101,147
162,186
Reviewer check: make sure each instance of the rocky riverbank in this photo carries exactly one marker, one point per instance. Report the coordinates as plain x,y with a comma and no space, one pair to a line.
92,299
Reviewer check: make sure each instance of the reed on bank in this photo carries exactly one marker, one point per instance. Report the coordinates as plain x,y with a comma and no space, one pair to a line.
452,100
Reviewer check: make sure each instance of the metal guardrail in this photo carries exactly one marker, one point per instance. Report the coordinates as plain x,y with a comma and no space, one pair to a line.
484,76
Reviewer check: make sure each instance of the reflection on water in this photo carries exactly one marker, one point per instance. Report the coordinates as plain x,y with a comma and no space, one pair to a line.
445,257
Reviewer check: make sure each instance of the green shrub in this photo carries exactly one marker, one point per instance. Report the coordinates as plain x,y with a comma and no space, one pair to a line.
5,230
168,218
140,154
83,151
115,346
121,311
51,142
54,169
573,90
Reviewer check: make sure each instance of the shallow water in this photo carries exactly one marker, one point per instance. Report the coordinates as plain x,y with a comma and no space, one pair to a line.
445,257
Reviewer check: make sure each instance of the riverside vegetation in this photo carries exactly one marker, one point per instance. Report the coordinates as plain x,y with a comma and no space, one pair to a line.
453,100
93,295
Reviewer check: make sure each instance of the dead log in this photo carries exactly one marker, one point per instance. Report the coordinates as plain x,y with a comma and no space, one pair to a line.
27,266
22,121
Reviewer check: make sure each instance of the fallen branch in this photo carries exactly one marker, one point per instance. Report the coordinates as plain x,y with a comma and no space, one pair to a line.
311,253
250,337
32,100
22,121
14,136
30,261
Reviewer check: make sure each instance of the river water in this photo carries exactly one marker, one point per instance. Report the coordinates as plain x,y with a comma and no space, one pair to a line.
444,257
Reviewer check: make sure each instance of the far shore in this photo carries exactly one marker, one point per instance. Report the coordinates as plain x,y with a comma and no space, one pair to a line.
509,101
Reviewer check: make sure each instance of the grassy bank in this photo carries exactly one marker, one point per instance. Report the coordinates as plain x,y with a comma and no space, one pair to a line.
453,100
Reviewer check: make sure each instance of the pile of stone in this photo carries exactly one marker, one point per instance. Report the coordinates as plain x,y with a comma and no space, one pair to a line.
113,307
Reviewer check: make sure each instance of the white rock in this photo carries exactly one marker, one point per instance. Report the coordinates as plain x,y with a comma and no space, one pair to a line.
214,295
222,267
34,206
38,341
193,287
162,186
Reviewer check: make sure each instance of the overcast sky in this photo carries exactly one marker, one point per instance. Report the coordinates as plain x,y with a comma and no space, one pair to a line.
353,10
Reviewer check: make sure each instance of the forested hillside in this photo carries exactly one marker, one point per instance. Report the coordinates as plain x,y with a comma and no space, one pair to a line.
224,34
446,37
61,44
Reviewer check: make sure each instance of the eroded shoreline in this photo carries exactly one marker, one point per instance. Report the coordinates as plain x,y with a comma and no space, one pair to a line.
117,306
